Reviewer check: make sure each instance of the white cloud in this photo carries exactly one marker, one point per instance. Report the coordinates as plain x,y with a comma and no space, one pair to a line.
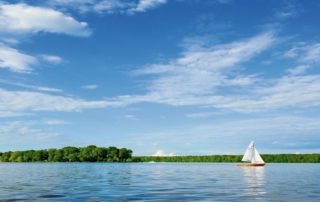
90,86
214,136
28,86
108,6
298,70
131,117
111,6
29,102
199,73
287,12
312,54
22,133
23,18
16,61
305,53
53,59
160,152
206,76
144,5
197,77
55,122
288,91
46,89
260,127
10,41
201,114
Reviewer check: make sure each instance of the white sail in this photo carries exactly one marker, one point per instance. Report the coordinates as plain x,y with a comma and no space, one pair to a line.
249,152
256,158
252,154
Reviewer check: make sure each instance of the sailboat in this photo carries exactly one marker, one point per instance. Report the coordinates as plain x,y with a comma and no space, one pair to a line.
252,155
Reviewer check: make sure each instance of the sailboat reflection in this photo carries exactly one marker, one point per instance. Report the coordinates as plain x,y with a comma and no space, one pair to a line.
254,181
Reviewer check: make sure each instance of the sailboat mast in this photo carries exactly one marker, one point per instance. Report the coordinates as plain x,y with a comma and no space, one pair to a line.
253,153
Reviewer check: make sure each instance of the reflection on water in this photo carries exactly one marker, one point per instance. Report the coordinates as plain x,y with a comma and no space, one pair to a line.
158,182
255,180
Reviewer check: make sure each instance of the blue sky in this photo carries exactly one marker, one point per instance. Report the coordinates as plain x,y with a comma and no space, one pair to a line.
160,76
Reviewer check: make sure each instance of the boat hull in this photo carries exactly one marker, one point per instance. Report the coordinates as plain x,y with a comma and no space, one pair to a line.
251,164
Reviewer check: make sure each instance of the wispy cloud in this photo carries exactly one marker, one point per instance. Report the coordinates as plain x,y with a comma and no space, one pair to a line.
15,60
55,122
90,86
109,6
206,76
144,5
19,62
131,117
201,114
195,77
305,53
290,10
282,129
22,133
300,69
288,91
29,102
29,86
53,59
23,18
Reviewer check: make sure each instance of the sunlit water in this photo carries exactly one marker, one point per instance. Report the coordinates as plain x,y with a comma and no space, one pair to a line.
158,182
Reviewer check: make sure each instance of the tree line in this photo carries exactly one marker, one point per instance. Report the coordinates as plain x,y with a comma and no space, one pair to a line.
90,153
93,153
269,158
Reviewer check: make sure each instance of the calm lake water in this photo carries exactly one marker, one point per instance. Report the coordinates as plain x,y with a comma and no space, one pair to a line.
158,182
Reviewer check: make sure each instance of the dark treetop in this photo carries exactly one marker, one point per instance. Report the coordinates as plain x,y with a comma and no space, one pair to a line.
90,153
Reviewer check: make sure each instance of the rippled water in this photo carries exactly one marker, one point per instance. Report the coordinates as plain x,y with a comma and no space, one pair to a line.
158,182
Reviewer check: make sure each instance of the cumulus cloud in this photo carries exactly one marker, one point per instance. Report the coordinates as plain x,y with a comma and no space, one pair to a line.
160,152
23,18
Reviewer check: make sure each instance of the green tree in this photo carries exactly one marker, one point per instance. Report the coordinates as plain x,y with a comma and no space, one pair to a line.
70,154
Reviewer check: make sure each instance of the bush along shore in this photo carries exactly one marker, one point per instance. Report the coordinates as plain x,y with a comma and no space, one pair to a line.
90,153
268,158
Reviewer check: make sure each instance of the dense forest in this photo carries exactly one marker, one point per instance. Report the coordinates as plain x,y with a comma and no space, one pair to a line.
69,154
269,158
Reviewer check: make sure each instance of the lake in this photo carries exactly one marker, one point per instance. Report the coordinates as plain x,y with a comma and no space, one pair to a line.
158,182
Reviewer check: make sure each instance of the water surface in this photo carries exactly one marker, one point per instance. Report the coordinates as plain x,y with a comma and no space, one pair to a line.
158,182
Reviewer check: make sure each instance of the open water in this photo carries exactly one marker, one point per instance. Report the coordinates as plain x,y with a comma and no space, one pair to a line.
158,182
